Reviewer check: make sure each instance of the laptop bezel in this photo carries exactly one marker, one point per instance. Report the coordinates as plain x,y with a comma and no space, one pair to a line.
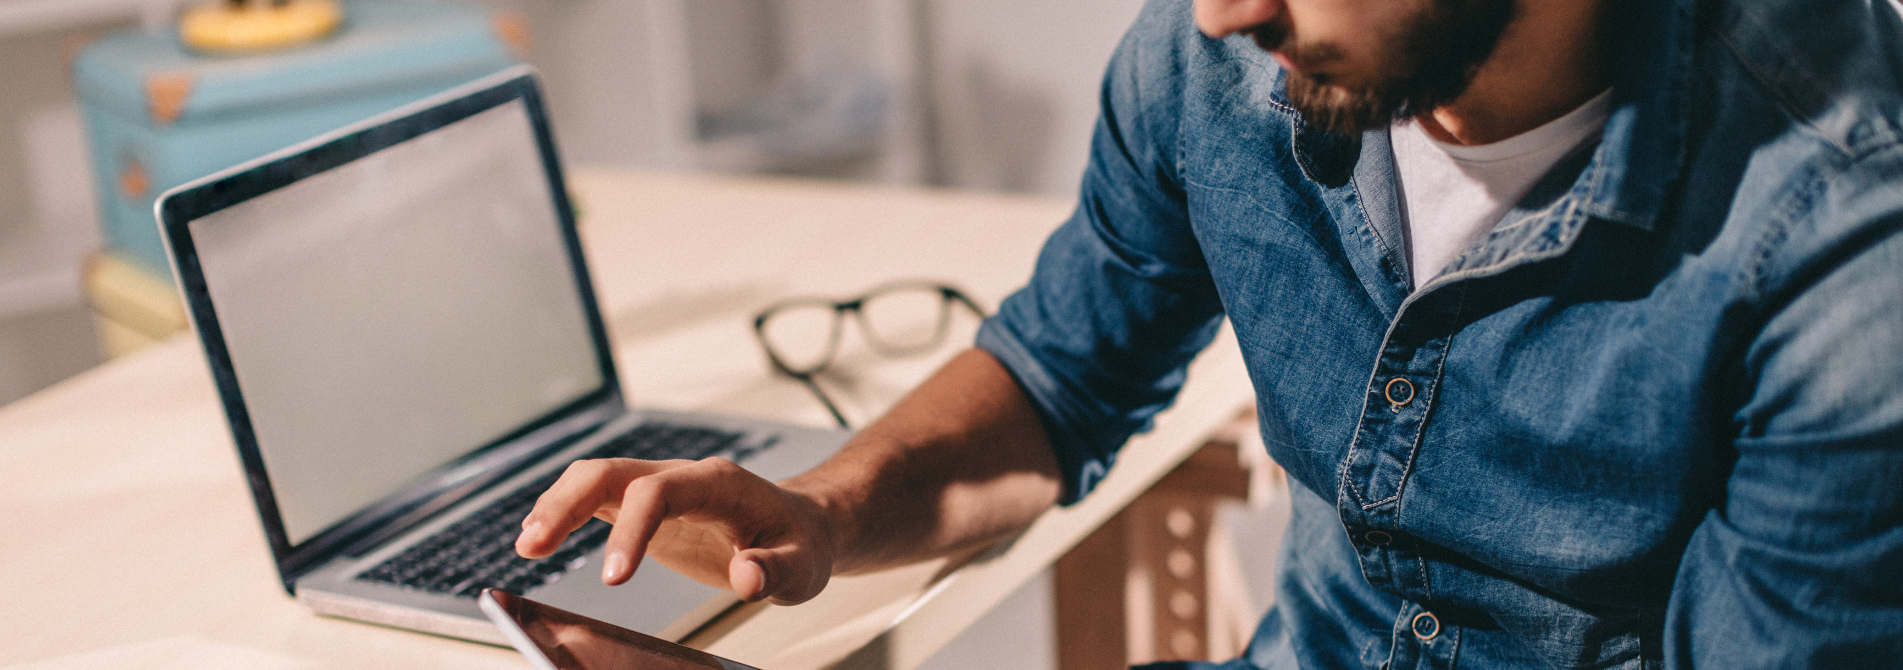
485,464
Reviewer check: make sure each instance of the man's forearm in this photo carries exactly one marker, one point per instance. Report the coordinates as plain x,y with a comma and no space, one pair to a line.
962,461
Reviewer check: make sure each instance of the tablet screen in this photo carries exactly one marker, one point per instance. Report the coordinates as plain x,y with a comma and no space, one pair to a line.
564,640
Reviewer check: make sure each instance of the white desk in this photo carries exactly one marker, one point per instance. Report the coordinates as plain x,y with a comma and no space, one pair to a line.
127,539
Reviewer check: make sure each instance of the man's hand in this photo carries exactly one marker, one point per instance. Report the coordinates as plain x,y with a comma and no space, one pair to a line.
961,462
710,520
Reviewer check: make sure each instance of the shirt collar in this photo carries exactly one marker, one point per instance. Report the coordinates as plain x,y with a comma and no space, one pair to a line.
1642,149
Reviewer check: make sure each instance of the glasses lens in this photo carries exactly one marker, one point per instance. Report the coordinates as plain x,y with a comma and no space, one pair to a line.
905,320
802,336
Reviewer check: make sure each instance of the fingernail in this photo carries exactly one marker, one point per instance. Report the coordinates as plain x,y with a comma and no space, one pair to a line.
612,566
761,567
749,587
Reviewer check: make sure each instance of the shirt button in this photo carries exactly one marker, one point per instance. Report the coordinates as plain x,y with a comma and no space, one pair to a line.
1399,391
1377,538
1426,626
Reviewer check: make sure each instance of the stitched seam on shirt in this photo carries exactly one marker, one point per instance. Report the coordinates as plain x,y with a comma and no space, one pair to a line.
1440,368
1511,260
1522,228
1284,108
1788,208
1361,205
1370,506
1270,72
1367,229
1394,641
1775,93
1362,419
1795,205
1426,588
1347,485
1453,655
1179,169
1407,470
1354,442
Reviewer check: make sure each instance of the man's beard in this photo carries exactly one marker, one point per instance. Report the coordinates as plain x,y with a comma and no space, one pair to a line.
1434,55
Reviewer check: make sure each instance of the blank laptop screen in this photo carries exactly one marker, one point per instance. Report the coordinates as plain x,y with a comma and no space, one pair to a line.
397,312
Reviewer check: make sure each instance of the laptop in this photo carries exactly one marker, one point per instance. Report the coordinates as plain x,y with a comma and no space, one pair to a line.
406,343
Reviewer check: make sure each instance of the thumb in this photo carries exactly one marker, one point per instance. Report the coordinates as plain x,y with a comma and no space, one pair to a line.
781,576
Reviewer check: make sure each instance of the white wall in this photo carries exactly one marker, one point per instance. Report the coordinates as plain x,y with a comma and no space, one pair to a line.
48,220
1009,88
1015,88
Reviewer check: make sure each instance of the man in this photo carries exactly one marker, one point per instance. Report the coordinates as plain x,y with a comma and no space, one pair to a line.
1577,324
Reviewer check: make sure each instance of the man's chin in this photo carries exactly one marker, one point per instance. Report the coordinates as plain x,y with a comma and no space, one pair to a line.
1428,62
1339,109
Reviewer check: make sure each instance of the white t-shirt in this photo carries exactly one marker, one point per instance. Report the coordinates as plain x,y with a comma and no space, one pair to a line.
1454,194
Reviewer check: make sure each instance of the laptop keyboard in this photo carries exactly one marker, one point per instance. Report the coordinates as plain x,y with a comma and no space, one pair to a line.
479,550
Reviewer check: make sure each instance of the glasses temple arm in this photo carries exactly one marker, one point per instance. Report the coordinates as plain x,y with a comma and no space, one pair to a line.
823,399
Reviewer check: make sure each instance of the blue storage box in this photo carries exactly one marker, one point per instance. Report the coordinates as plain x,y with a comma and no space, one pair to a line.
159,115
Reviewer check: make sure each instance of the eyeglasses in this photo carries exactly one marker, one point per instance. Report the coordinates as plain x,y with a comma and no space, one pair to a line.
904,318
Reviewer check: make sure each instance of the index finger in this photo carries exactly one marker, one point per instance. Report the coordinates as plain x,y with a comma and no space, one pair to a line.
585,488
650,500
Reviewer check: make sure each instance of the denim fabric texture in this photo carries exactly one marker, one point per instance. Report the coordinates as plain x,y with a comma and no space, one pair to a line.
1652,419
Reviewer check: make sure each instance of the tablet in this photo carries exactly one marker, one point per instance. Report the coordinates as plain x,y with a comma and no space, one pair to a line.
557,639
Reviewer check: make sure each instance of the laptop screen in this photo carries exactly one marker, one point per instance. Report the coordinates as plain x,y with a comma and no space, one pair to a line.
392,314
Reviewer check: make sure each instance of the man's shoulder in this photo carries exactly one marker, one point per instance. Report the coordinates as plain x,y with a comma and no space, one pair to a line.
1835,66
1805,101
1171,93
1165,53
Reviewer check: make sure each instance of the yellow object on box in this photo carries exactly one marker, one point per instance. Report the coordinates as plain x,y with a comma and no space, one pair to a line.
243,26
131,307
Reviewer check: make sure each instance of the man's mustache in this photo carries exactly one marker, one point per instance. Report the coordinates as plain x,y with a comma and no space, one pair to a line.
1277,36
1270,35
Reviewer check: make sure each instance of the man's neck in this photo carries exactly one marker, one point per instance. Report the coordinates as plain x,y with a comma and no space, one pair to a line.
1550,60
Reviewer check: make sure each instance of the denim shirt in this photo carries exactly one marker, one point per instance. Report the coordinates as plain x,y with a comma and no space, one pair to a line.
1652,419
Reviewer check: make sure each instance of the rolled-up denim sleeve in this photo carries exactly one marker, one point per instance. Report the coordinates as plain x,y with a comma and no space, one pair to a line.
1121,298
1802,565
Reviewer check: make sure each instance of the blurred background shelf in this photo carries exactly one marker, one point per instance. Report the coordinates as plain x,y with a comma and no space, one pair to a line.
30,16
